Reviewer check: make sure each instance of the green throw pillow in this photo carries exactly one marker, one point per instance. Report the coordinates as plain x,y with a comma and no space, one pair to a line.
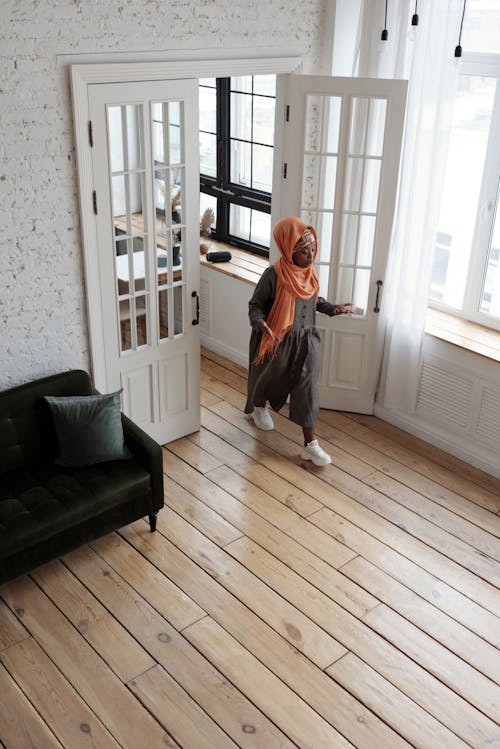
89,428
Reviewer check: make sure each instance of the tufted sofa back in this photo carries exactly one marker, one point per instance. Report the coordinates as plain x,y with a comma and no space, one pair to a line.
27,435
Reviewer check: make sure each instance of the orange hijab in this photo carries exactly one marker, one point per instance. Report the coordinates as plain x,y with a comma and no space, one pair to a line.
292,283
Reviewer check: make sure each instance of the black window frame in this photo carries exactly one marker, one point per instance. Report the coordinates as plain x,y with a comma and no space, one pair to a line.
228,193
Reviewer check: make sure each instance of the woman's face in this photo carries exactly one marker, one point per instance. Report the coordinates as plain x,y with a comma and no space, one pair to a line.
302,254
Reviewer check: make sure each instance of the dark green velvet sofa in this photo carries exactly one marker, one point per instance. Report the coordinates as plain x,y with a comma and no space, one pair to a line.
47,510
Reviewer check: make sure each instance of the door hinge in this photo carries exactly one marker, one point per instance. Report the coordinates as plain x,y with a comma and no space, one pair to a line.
91,137
287,113
94,201
285,170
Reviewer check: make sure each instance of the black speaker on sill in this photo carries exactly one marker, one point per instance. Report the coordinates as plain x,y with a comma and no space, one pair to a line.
218,257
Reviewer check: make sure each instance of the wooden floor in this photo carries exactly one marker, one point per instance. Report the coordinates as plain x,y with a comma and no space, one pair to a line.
277,605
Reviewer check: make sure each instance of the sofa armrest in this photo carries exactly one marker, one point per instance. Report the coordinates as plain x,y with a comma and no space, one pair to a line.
149,454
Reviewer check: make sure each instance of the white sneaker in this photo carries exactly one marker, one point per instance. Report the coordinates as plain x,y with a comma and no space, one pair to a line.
314,452
262,418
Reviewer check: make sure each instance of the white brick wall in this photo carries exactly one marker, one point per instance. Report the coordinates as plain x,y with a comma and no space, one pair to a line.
42,299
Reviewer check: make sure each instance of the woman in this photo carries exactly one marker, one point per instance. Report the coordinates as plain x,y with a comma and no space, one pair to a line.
285,344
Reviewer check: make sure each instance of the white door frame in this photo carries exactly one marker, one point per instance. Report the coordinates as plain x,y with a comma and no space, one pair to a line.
81,77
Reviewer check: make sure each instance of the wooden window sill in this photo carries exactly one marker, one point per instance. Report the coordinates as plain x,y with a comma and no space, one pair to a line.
464,334
243,265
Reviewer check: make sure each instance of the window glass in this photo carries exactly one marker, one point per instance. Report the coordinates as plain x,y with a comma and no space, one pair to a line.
252,134
482,26
251,225
208,126
490,294
236,157
461,189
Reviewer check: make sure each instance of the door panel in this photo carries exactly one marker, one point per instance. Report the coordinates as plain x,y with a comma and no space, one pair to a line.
146,167
342,146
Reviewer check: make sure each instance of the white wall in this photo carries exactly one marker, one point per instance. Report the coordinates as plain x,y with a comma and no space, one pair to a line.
224,327
42,301
456,406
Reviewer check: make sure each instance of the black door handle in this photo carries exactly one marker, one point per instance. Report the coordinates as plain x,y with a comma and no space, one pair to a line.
196,321
379,285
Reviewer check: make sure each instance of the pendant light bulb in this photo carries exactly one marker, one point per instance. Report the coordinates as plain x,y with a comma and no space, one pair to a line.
414,24
458,48
385,34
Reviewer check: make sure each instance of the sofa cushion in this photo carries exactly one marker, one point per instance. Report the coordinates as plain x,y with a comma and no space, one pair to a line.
38,502
27,434
89,428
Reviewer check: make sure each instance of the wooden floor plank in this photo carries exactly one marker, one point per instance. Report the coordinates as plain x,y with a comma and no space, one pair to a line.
286,662
20,725
486,542
414,724
462,558
477,689
409,478
107,636
304,726
11,629
209,441
172,706
171,602
231,710
177,711
207,398
186,450
286,547
424,449
457,638
212,525
363,536
409,677
261,503
54,699
103,692
282,490
326,548
415,471
436,556
208,355
284,618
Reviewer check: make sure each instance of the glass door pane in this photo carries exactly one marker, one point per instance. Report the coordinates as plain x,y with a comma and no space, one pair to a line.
360,199
345,222
131,239
319,182
169,179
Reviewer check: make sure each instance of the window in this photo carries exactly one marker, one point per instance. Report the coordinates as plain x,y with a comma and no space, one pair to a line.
236,157
466,274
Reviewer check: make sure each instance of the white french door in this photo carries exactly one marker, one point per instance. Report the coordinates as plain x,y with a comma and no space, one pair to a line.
145,165
341,152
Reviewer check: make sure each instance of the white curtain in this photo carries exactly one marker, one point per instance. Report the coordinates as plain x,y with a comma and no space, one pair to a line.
428,62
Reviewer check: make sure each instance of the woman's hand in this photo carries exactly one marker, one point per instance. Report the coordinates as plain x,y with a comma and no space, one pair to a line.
266,330
341,309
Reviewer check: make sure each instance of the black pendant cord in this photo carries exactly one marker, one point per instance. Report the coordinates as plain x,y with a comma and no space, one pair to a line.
385,34
458,48
414,18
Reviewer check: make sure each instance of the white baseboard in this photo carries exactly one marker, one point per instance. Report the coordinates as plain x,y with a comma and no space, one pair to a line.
470,452
220,348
